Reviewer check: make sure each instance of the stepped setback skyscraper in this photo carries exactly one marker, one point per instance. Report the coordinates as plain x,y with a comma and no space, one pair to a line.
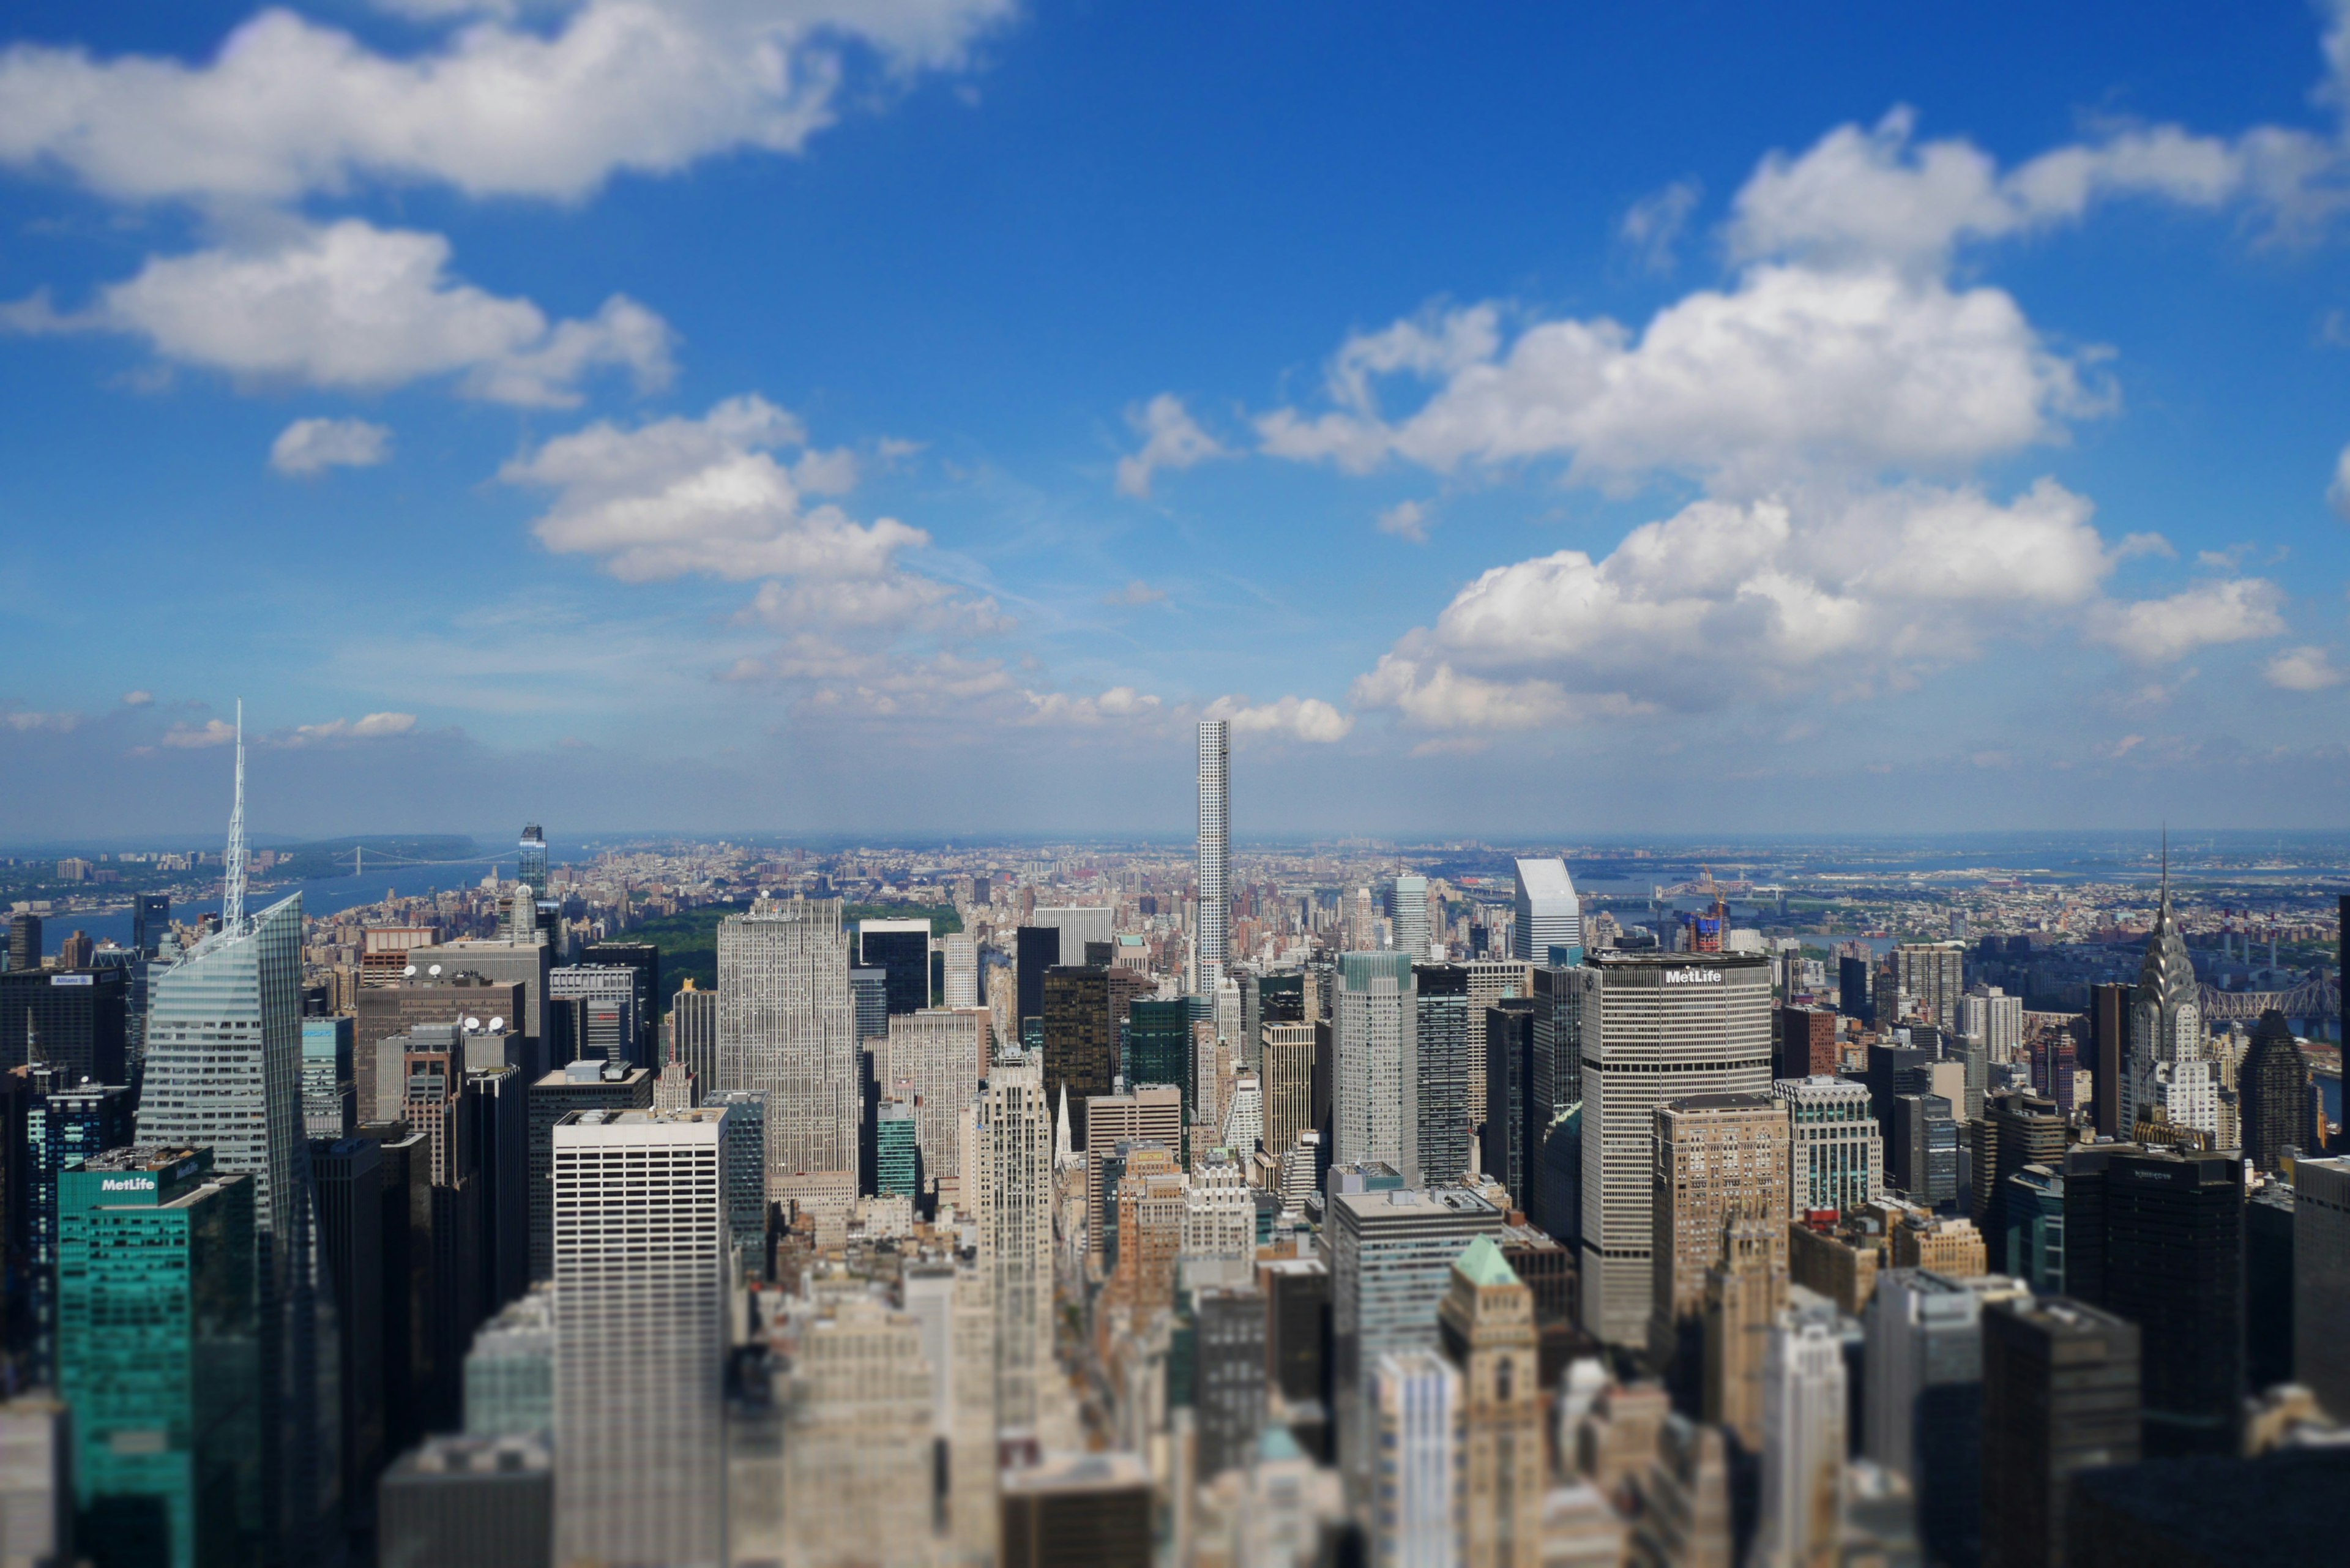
787,1030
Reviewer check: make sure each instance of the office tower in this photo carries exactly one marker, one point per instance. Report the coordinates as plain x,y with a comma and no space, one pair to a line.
640,1335
1375,1115
75,1022
2169,1067
1149,1113
2174,1265
37,1518
868,993
1991,1016
1923,1410
530,867
1924,1155
609,991
1718,1157
588,1085
961,952
1509,1142
1944,1244
1035,948
1806,1040
1654,1028
1016,1233
897,1153
1929,975
25,946
2110,1011
329,1092
1803,1398
2272,1085
160,1357
1091,1508
2321,1280
1440,1086
1853,996
1213,939
1687,1499
1490,980
1745,1291
1244,1129
1836,1155
436,994
468,1501
1228,1392
857,1441
1080,1040
1418,1515
1287,1058
1158,1048
349,1174
1411,916
2060,1395
693,1032
1219,1211
1152,1203
59,1127
2269,1217
495,1101
2034,1248
1391,1254
900,949
2016,1130
1270,999
937,1055
150,918
410,1333
1487,1323
2052,1061
1548,913
786,1029
490,961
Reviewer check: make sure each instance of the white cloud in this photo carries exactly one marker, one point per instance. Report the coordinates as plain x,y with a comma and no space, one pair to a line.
212,732
1438,697
1137,592
374,726
1172,439
2304,669
1118,704
137,699
1791,371
354,308
1653,226
2236,609
2338,492
1293,718
684,495
313,446
289,107
1406,520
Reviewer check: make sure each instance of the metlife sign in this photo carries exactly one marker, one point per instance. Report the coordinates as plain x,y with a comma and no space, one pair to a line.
1692,977
127,1184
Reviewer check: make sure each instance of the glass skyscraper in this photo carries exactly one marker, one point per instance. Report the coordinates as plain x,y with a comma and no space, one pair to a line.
1212,942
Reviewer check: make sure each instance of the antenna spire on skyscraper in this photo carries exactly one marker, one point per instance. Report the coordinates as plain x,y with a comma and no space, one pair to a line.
233,866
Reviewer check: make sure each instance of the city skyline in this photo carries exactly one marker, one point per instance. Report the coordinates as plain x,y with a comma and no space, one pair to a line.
934,518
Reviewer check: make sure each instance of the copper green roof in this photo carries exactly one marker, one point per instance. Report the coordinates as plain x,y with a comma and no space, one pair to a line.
1483,1264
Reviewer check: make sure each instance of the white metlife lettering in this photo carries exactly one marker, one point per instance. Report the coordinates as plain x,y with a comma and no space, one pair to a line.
127,1184
1692,976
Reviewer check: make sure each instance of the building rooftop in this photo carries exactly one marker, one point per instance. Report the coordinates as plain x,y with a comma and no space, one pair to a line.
1482,1265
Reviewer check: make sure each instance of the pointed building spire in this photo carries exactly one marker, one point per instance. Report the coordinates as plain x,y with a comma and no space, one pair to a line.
1062,1152
233,863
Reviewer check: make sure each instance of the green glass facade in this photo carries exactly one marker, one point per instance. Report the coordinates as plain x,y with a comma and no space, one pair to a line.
898,1157
158,1357
1158,1050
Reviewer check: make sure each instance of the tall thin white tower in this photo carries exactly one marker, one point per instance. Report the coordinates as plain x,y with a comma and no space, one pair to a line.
1214,934
232,863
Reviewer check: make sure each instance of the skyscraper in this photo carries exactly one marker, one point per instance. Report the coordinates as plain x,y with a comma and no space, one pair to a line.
1411,916
1836,1155
1376,1113
693,1032
530,867
1511,1141
640,1336
1806,1043
2060,1394
1718,1158
962,952
2321,1280
1549,915
329,1089
1417,1518
2110,1009
611,992
787,1029
1923,1414
2174,1266
150,918
2169,1067
1654,1028
1803,1403
1287,1055
25,948
1930,977
61,1127
1080,1040
902,950
75,1022
1440,1086
588,1085
2272,1087
939,1056
1212,940
1015,1232
1487,1321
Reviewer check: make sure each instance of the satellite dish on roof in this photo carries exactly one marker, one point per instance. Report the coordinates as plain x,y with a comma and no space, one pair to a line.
472,1026
434,972
409,972
496,1024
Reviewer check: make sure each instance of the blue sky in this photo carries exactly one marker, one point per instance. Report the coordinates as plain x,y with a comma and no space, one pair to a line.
914,415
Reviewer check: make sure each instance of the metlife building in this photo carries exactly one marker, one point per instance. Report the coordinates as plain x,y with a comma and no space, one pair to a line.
1653,1028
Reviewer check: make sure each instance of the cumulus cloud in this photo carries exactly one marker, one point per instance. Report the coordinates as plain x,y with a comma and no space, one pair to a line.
1068,707
137,699
1172,439
1406,520
211,732
351,307
289,107
2153,631
313,446
707,495
374,726
1291,718
2304,669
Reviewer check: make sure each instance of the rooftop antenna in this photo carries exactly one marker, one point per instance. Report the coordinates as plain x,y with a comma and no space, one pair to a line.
233,882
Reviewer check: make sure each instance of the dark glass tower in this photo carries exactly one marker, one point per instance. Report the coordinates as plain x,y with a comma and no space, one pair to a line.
1035,948
150,917
2060,1395
2272,1086
1441,1077
2175,1267
904,959
1080,1042
1512,1140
